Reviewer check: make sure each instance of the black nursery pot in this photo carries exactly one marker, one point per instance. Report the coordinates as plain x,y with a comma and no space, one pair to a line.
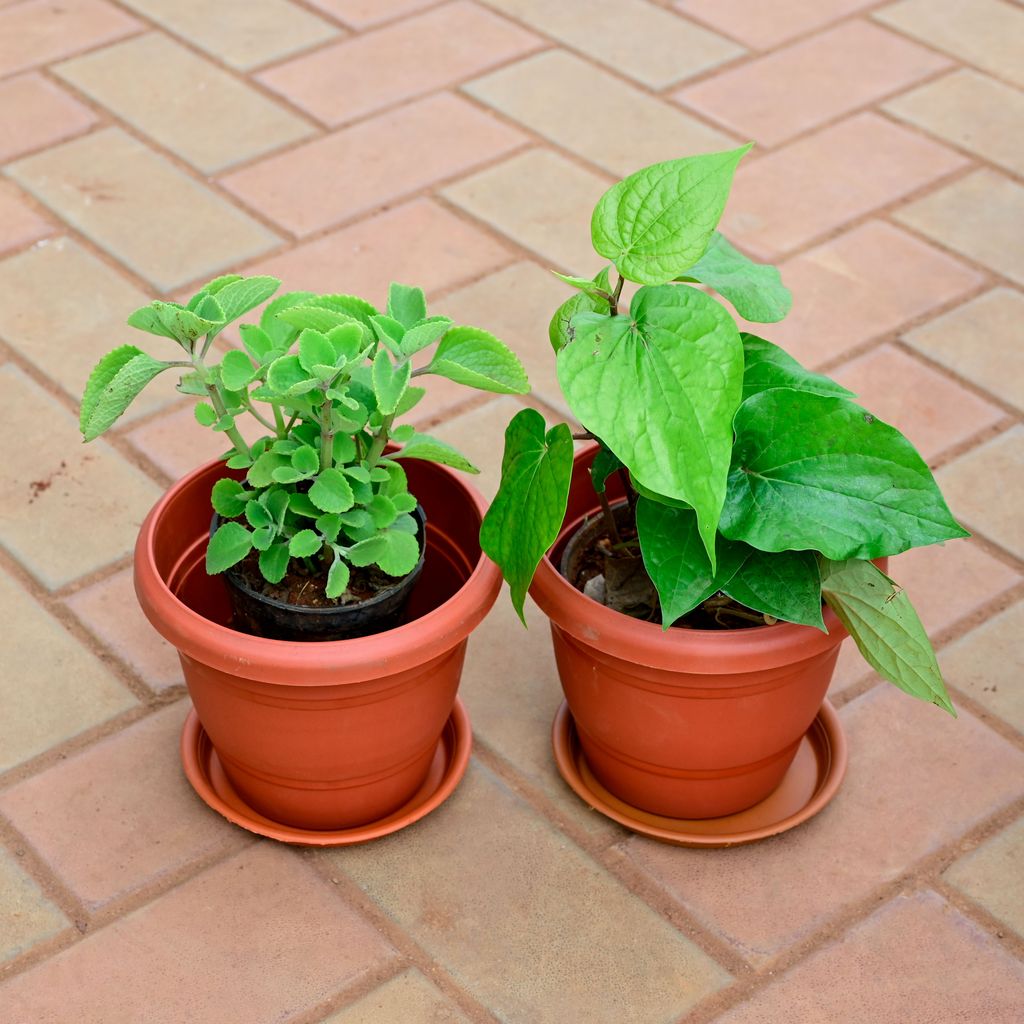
265,616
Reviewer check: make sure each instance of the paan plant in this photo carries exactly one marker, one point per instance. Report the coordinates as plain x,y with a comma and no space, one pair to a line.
325,378
755,488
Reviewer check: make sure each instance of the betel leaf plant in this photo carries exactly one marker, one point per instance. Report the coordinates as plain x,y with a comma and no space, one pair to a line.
755,489
325,378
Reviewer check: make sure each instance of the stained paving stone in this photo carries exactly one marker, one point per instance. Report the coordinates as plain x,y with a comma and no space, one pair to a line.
29,917
865,283
949,970
239,32
970,110
20,224
138,206
636,38
986,33
120,815
109,611
976,486
324,182
258,937
814,80
993,875
540,200
486,880
516,304
406,999
364,13
931,410
422,53
763,26
184,102
419,242
820,182
917,779
34,112
55,485
981,216
52,687
980,341
985,664
38,31
64,309
548,91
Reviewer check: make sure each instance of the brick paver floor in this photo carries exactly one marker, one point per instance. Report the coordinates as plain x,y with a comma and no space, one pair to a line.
150,144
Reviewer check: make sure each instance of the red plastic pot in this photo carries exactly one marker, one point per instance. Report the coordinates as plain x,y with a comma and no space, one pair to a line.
320,735
683,723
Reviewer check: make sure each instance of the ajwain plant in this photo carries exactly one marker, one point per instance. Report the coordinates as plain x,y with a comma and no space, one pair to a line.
750,480
326,377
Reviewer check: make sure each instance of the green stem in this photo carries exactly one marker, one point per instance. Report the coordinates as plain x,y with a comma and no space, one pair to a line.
380,440
609,518
279,426
215,400
262,419
326,433
614,304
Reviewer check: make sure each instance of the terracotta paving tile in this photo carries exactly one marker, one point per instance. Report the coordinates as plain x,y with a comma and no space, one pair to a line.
821,182
418,242
120,814
40,31
364,13
486,880
865,283
763,26
108,185
986,664
187,104
407,999
51,688
976,486
405,59
993,875
632,36
239,32
917,779
540,200
35,113
981,216
980,341
986,33
258,937
791,90
29,917
547,92
931,410
516,304
110,612
64,309
53,486
970,110
19,222
442,398
949,969
356,169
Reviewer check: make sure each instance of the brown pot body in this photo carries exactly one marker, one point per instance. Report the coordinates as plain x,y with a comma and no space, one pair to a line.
320,735
683,723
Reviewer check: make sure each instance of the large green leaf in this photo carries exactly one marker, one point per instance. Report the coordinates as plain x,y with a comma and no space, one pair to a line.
786,585
658,222
815,472
112,386
430,449
559,330
660,388
389,381
424,333
768,366
406,304
331,492
755,289
887,631
280,332
527,512
677,561
227,547
471,356
238,297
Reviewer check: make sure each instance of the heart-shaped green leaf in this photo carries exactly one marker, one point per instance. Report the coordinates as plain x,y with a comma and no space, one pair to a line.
471,356
786,585
559,329
768,366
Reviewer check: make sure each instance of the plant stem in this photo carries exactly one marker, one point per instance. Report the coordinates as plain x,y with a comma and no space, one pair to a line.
609,518
614,303
262,419
279,426
380,440
584,435
627,486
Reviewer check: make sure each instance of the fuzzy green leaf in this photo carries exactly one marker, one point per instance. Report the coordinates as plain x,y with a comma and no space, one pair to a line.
528,510
382,510
236,370
257,515
786,585
389,381
146,319
274,562
423,446
306,460
406,304
305,543
205,414
228,498
289,378
656,223
471,356
261,472
768,366
315,350
560,332
337,579
390,332
227,547
424,333
245,293
331,492
280,332
113,385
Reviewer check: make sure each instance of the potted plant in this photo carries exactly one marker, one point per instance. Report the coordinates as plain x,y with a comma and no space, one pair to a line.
320,582
727,491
